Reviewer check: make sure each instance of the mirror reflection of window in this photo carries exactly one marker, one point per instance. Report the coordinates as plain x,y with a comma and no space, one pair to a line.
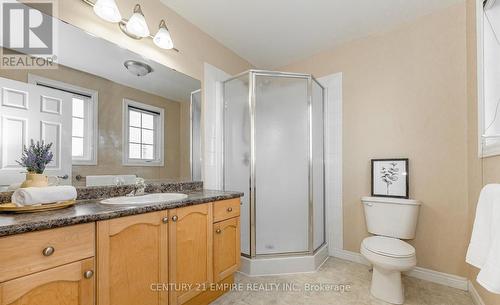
143,134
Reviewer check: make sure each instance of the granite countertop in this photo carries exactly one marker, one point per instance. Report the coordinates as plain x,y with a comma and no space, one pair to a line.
91,210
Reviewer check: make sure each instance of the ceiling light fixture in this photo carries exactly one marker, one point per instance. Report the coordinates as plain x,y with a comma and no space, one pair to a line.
138,68
107,10
136,27
162,38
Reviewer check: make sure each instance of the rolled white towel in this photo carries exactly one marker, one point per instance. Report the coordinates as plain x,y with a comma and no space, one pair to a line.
41,195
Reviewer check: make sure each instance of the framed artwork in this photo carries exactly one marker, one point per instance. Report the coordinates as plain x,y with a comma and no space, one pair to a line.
390,178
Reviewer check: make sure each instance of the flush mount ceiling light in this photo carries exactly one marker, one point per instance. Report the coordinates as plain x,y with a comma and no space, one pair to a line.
107,10
136,27
138,68
162,38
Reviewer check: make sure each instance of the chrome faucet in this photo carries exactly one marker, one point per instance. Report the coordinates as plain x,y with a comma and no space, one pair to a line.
139,187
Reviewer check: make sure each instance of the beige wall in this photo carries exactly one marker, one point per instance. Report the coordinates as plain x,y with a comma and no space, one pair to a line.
111,97
480,171
196,47
404,95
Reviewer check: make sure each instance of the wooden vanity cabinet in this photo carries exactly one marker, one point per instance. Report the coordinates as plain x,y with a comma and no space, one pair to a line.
190,251
158,258
70,284
51,267
132,260
226,248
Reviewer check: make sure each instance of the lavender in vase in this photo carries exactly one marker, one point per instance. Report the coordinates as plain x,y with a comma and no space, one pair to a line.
35,158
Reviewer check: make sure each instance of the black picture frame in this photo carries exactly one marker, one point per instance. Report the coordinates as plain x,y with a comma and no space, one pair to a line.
406,194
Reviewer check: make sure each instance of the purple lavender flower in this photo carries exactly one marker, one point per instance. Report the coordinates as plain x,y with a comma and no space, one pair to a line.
36,157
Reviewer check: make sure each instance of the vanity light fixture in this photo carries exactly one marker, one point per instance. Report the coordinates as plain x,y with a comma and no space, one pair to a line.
136,27
107,10
162,38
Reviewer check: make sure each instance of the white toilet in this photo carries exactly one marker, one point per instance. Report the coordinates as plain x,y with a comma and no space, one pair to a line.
390,219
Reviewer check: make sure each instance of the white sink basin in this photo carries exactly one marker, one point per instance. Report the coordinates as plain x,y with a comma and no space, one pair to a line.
145,199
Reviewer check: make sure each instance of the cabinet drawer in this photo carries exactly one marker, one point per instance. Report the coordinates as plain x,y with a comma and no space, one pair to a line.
226,209
31,252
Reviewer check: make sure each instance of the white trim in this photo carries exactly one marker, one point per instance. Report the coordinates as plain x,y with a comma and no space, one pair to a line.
351,256
284,265
437,277
212,116
480,74
333,157
94,97
160,135
476,298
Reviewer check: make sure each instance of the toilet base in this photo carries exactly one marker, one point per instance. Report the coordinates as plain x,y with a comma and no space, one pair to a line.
387,285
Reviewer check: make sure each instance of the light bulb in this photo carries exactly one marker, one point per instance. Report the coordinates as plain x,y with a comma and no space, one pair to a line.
137,25
162,38
107,10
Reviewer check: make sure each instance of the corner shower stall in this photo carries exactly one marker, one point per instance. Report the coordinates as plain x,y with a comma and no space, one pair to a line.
274,153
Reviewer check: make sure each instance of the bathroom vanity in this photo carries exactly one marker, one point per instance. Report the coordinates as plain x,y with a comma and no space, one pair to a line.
162,253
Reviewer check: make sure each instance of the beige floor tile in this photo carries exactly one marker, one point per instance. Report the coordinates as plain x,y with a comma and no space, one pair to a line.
332,277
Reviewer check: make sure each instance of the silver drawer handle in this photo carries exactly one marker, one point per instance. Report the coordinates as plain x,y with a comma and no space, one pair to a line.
48,251
164,220
174,218
229,210
218,231
88,274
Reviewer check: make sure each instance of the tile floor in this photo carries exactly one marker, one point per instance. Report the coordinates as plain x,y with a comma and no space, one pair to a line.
334,275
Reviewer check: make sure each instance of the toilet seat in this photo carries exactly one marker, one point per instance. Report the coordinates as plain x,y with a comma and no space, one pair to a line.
387,246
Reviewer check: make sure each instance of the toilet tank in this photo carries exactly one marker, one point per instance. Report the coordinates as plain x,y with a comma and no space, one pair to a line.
392,217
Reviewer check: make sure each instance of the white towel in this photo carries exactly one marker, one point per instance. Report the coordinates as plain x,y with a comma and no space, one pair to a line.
489,276
484,247
41,195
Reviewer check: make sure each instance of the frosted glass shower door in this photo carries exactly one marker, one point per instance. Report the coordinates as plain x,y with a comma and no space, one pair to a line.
281,164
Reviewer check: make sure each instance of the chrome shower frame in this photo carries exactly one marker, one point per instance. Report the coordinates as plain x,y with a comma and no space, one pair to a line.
252,74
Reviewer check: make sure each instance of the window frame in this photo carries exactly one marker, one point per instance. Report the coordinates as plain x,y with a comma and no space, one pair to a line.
93,110
159,148
483,150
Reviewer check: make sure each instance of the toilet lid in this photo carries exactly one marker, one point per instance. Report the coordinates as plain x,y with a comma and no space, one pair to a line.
388,246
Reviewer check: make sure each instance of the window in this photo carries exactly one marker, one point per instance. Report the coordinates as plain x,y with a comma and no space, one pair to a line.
488,48
84,119
142,134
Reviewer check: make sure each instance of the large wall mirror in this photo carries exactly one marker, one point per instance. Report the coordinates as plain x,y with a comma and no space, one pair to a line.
111,114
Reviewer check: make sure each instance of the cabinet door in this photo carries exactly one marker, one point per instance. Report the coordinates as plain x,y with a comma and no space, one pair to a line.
65,285
132,260
226,248
190,251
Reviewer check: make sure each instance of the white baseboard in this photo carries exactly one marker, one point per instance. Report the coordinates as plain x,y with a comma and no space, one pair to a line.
446,279
350,256
475,295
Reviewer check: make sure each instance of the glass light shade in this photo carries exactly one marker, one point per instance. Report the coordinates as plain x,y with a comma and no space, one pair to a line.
163,39
107,10
137,25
